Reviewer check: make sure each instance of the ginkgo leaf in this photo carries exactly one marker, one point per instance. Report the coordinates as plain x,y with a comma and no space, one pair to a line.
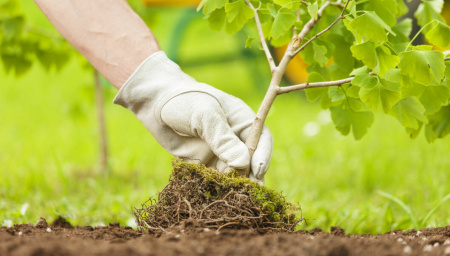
313,9
369,27
433,97
379,59
386,10
366,53
384,93
438,124
282,24
211,5
385,60
336,93
238,13
216,19
365,80
428,11
320,52
424,67
409,112
313,94
439,35
348,119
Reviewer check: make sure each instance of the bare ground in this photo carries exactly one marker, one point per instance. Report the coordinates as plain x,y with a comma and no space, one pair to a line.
188,239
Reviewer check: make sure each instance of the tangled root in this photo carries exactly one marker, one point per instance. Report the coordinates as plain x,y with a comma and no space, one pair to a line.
216,200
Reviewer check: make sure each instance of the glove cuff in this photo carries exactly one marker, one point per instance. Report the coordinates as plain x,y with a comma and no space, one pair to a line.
150,81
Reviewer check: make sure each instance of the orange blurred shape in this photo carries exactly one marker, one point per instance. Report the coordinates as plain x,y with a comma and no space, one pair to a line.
296,70
171,2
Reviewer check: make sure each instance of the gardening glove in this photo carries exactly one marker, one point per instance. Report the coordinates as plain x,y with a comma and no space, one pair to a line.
192,120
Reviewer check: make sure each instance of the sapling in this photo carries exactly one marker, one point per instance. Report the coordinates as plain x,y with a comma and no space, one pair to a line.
358,65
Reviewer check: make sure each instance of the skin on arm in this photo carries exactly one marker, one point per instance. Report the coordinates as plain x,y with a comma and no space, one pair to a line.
111,36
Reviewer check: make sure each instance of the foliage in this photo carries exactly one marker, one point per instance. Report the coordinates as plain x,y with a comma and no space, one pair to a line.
22,43
408,82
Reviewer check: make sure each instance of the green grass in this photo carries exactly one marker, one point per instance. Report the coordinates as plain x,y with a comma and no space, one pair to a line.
49,154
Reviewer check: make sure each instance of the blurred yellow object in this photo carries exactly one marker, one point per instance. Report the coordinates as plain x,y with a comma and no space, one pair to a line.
171,2
296,70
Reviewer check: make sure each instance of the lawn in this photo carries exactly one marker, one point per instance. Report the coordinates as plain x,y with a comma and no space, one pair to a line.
49,149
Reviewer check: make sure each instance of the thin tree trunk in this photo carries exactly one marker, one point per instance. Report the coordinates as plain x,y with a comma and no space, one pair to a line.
103,142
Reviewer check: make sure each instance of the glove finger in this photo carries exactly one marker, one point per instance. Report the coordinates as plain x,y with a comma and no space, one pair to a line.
200,115
241,118
263,154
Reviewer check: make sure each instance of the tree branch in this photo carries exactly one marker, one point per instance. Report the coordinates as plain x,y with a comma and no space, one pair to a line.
297,40
325,30
446,58
262,38
303,86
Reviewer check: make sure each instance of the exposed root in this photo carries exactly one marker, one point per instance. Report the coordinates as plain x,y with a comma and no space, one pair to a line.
216,200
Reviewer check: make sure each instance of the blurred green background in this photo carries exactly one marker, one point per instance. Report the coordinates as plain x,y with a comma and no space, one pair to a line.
49,145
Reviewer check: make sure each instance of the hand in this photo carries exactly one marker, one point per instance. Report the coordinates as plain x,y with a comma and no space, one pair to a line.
192,120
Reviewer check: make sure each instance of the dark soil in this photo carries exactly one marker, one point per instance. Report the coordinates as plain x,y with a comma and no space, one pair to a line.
188,239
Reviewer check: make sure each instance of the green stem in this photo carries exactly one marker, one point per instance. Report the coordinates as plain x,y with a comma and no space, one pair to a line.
418,33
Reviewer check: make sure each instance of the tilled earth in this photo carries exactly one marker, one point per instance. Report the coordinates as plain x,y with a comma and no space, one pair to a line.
60,238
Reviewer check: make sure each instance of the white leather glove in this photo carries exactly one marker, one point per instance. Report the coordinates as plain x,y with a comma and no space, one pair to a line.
193,120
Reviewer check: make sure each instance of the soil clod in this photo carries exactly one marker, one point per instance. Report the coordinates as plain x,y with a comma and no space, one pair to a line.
42,223
61,222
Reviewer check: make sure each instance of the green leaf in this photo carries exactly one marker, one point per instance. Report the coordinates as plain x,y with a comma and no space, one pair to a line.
438,124
403,30
384,92
385,9
313,10
366,53
379,59
289,4
211,5
348,119
428,11
433,97
424,67
282,24
238,13
313,94
320,52
439,35
216,19
385,61
409,112
12,27
369,27
336,93
272,10
248,43
364,79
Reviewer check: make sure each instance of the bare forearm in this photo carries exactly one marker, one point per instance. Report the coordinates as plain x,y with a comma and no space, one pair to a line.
108,33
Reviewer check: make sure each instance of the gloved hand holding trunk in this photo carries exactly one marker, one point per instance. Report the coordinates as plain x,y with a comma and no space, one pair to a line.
192,120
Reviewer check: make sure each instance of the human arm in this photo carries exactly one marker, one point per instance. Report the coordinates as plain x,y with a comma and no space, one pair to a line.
111,36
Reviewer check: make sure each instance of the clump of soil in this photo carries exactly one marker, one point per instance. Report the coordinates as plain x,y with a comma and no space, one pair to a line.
216,200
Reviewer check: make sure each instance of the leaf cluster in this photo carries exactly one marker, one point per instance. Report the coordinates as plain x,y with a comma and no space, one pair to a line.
373,45
22,43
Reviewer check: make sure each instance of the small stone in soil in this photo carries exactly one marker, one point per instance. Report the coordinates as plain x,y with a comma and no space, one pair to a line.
407,249
428,248
49,230
436,244
447,242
